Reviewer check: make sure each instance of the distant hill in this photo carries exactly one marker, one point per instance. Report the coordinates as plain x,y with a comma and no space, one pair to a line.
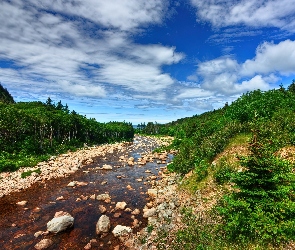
5,96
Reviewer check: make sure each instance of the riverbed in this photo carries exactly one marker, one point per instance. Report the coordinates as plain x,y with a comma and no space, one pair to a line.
124,172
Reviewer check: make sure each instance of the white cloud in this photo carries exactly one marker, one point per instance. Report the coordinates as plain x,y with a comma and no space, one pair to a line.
272,57
227,77
254,13
47,46
120,14
199,93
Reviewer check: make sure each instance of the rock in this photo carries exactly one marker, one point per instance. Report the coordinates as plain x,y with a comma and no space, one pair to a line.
102,209
139,180
147,171
60,198
60,222
103,225
129,187
107,167
88,246
130,163
22,203
121,230
78,183
72,184
136,211
152,192
92,197
37,234
149,212
104,183
121,205
43,244
131,159
103,197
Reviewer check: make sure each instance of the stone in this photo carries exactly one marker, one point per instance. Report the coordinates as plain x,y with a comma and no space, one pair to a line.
60,222
60,198
22,203
72,184
43,244
37,234
149,212
121,231
92,197
102,209
121,205
80,184
107,167
152,192
103,225
131,159
88,246
103,197
136,211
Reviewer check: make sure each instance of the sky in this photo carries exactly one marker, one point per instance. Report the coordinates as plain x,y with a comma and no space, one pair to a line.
145,60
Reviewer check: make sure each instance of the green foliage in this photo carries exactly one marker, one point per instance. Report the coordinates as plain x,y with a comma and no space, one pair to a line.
223,172
263,207
28,173
33,130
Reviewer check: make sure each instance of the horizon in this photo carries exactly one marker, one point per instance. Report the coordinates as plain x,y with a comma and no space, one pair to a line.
141,61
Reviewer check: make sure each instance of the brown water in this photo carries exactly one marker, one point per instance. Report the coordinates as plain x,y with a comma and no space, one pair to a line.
18,224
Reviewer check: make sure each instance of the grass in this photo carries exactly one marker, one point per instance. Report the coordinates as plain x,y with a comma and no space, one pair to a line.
29,173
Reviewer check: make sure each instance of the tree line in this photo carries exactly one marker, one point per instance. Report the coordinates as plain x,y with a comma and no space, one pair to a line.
36,128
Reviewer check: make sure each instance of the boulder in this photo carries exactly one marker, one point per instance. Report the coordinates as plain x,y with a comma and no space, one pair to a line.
60,222
121,230
103,225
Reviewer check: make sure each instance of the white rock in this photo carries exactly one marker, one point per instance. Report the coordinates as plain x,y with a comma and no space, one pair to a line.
107,167
59,224
72,184
121,205
121,230
149,212
103,225
22,203
102,197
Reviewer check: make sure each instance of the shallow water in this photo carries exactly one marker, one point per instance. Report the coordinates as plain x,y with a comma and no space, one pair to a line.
29,219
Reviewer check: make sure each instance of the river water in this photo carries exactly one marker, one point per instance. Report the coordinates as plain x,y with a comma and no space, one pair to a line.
18,224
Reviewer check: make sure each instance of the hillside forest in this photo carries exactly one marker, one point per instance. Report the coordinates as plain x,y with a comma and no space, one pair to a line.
33,131
243,155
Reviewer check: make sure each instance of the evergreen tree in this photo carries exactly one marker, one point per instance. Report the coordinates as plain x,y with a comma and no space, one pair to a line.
5,96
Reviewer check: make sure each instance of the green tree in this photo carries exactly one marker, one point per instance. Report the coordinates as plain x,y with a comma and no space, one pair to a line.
5,96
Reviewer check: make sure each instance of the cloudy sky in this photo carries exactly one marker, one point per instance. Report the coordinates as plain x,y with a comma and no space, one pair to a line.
145,60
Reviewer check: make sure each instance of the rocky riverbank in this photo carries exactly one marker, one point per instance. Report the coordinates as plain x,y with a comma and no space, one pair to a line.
101,203
66,164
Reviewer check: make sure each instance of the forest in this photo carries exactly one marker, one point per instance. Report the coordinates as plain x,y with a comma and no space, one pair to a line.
32,131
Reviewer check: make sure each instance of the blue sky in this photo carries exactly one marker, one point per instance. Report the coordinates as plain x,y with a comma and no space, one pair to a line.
141,61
